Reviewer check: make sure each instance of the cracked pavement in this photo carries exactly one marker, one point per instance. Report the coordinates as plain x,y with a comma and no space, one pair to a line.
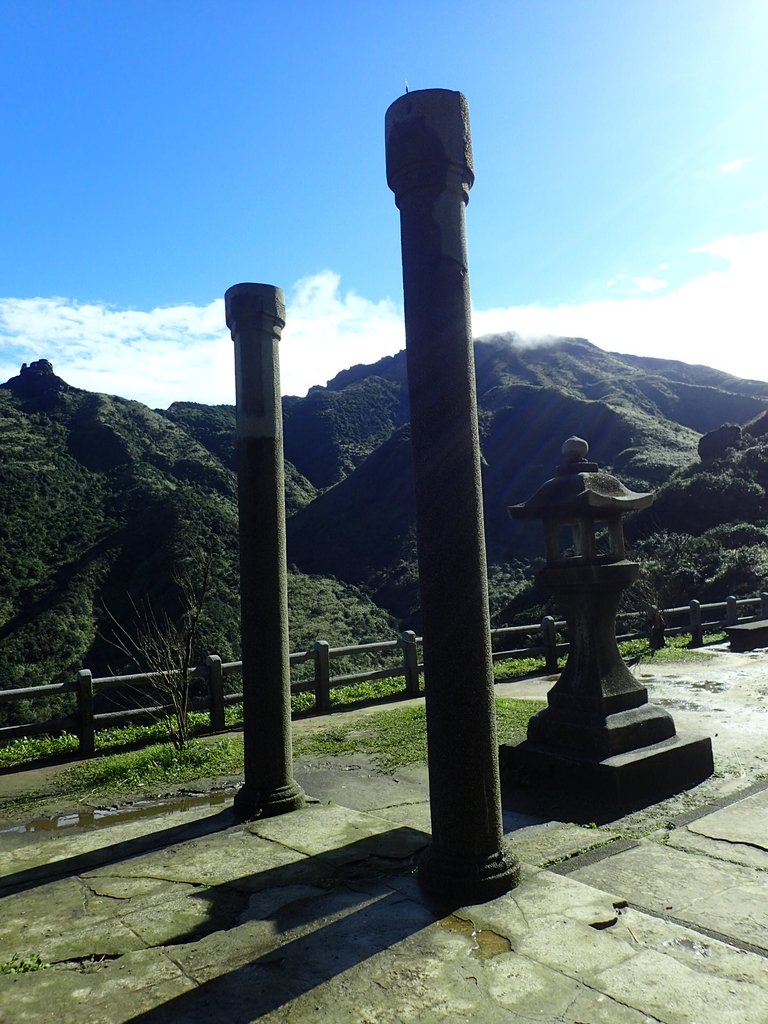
317,915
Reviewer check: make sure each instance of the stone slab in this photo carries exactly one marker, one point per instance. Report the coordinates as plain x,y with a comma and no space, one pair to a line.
552,842
100,992
339,835
723,897
748,636
401,797
737,833
744,821
25,850
355,941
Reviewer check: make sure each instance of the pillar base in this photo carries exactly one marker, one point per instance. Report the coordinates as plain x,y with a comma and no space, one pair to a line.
253,803
469,880
628,780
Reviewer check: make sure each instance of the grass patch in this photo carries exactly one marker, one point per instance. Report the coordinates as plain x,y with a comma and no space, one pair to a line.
396,738
514,668
357,693
512,718
677,648
36,748
353,693
160,764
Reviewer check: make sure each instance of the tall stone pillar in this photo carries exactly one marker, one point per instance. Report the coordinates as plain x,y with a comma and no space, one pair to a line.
256,316
429,168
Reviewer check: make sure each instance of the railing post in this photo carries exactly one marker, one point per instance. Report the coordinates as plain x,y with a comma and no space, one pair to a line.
731,611
407,641
86,730
697,635
764,605
215,678
322,675
549,637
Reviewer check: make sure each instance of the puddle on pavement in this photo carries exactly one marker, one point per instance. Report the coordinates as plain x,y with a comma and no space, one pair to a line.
93,817
710,685
485,943
679,704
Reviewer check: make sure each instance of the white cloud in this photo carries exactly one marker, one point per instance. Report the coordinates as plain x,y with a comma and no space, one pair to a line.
156,356
184,352
718,318
645,285
735,165
327,331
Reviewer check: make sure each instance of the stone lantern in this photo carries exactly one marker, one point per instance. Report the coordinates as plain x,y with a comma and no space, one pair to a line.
599,730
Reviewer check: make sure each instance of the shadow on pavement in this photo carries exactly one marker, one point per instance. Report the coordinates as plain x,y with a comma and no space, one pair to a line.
271,957
115,853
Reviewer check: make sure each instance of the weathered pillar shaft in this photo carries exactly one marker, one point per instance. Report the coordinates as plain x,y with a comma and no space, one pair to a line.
429,168
256,316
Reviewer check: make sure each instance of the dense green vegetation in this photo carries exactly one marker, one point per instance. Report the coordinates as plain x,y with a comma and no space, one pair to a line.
642,418
23,964
103,500
709,522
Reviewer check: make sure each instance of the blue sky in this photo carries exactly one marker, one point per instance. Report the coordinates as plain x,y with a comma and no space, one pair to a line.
157,152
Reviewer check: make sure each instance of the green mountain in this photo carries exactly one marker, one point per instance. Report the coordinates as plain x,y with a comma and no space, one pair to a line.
102,499
642,418
706,534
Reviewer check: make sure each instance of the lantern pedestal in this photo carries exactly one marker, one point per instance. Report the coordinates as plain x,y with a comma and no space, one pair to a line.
597,708
628,781
598,733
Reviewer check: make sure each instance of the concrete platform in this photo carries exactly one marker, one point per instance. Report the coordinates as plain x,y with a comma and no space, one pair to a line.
317,915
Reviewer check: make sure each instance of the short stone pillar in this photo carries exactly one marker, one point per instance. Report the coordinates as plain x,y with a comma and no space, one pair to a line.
598,732
429,168
256,316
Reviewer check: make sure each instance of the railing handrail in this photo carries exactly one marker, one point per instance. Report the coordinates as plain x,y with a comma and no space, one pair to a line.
213,670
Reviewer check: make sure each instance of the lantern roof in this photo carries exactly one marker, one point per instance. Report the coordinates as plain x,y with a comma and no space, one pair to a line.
579,489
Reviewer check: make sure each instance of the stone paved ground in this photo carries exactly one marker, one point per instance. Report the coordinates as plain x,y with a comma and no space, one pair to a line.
317,915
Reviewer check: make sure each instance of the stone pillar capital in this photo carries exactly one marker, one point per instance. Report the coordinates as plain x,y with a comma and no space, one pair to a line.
249,305
428,143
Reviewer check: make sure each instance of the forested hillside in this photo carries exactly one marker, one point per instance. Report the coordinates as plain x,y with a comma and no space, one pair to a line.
102,500
643,423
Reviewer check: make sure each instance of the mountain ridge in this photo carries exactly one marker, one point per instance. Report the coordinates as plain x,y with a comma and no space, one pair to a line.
102,497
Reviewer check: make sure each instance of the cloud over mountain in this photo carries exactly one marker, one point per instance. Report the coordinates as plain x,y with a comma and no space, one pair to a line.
716,316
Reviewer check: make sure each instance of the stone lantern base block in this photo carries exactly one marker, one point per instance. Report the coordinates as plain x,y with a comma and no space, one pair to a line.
630,780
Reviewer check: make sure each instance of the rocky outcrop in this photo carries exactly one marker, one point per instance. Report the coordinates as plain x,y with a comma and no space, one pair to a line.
717,442
35,379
